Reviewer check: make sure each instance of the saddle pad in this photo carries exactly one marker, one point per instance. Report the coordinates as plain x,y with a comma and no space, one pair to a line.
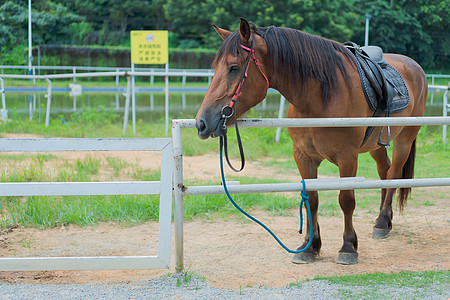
395,80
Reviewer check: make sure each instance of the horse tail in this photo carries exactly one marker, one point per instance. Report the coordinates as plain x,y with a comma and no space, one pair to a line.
407,173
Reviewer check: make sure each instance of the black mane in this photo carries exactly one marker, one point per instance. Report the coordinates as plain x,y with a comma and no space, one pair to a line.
297,55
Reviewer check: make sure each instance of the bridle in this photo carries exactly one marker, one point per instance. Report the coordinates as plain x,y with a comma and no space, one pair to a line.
228,110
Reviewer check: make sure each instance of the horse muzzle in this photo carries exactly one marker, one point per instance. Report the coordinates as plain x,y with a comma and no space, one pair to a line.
210,127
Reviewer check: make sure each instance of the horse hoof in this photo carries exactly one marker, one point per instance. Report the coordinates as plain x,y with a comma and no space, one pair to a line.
346,258
303,258
379,233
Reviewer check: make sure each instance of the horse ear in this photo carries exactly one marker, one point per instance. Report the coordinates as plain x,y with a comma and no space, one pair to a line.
245,30
222,32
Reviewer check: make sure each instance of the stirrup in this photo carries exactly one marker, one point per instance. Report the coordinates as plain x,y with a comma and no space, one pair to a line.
387,144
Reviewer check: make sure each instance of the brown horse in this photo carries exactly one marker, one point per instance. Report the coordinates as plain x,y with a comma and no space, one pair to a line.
320,80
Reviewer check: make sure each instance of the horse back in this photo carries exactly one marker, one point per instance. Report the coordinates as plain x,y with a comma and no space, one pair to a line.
415,80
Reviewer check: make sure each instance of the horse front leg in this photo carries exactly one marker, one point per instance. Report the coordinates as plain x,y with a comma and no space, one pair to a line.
308,170
348,254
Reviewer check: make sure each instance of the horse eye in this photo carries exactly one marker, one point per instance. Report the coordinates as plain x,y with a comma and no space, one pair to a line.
234,69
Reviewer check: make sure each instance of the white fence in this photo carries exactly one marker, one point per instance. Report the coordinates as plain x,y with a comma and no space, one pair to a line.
312,184
130,94
172,164
162,188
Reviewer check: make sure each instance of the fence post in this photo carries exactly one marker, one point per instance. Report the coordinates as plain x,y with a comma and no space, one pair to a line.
166,92
34,94
183,96
280,116
49,102
127,105
177,192
446,108
4,111
117,93
210,77
133,99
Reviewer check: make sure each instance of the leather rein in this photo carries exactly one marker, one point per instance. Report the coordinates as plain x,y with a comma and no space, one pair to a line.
229,110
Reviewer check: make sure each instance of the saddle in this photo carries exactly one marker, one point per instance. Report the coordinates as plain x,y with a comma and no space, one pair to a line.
383,86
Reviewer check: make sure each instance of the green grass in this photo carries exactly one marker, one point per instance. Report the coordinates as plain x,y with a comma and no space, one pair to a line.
402,279
117,164
439,81
188,278
212,206
383,286
431,155
44,212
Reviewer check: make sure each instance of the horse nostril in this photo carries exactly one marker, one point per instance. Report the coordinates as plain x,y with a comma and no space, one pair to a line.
201,125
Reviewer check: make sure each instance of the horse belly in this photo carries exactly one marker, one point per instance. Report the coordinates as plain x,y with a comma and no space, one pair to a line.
327,143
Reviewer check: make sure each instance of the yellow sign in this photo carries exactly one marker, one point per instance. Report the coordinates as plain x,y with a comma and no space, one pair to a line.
149,46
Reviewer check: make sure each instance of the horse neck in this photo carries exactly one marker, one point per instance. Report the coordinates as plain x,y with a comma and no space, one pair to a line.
306,97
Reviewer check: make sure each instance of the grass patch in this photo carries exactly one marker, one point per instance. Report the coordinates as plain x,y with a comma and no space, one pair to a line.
212,206
431,155
189,279
412,285
403,285
46,212
402,279
50,211
117,164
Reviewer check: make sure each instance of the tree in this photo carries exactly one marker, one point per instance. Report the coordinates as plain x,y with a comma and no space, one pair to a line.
51,26
433,16
189,19
192,19
14,20
415,28
55,25
419,31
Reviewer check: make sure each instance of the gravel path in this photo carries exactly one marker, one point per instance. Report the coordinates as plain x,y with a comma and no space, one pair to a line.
178,287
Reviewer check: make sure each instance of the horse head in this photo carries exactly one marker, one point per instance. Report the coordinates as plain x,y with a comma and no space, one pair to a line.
239,82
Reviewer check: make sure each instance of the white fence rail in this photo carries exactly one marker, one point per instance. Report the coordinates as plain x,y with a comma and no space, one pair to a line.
162,188
75,69
312,184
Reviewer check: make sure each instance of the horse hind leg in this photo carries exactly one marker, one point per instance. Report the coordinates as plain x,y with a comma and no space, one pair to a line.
402,167
383,164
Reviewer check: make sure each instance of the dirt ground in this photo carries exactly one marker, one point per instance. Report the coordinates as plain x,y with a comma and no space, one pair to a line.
235,253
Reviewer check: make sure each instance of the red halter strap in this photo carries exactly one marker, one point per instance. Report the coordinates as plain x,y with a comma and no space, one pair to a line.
227,111
252,53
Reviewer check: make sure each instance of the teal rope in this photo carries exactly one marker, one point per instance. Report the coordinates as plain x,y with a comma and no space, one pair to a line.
305,199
